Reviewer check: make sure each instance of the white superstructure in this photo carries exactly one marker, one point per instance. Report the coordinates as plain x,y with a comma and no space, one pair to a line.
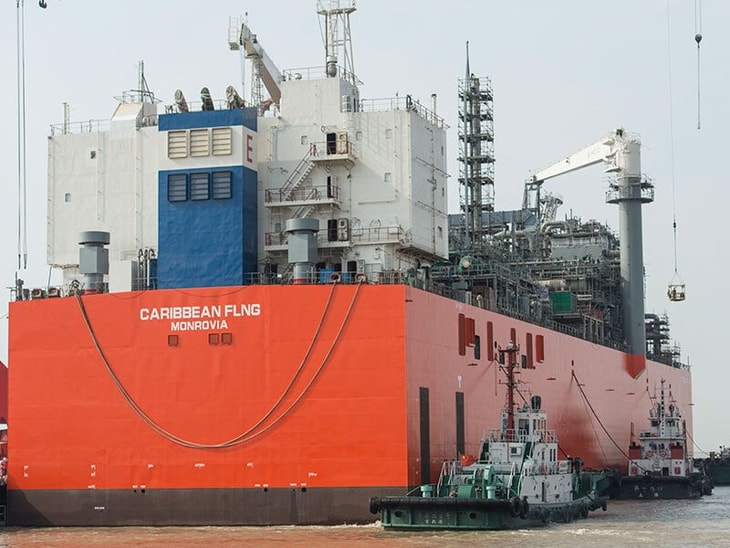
371,172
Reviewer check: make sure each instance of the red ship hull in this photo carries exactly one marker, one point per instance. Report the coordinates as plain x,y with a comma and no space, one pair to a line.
282,404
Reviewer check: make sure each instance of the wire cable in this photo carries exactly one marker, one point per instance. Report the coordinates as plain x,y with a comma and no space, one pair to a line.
698,39
694,444
671,151
600,422
251,432
22,207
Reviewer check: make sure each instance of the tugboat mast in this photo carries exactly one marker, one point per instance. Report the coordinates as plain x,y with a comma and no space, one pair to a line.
511,351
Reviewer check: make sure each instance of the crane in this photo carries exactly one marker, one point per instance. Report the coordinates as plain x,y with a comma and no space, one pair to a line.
620,154
262,63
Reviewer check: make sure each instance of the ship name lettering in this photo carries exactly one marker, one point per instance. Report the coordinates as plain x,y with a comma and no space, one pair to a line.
179,312
240,310
199,312
198,325
249,148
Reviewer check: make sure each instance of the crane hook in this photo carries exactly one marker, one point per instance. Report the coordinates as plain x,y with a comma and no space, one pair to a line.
43,4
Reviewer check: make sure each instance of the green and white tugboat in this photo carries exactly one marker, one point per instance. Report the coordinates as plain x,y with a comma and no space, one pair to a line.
516,481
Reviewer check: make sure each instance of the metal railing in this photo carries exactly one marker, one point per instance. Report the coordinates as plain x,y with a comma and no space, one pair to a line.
88,126
402,103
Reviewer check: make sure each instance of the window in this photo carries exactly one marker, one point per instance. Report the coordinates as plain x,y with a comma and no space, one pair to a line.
199,186
331,230
177,144
304,139
222,185
177,188
388,177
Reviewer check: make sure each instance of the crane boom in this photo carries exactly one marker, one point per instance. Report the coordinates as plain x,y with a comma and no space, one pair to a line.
616,150
621,155
267,70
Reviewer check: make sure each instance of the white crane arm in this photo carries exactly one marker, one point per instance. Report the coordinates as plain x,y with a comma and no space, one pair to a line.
616,150
270,74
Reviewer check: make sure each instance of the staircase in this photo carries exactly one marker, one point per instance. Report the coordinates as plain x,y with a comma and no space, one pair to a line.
304,168
306,210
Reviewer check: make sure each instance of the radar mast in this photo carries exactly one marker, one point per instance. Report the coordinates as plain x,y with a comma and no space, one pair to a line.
337,38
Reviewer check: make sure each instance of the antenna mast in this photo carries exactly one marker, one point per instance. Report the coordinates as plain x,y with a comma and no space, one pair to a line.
337,37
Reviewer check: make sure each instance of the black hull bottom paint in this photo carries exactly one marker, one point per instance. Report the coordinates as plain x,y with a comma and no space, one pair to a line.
437,513
658,487
97,507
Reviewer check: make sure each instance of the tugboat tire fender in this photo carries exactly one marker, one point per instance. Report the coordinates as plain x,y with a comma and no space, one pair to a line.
374,505
515,507
525,508
568,514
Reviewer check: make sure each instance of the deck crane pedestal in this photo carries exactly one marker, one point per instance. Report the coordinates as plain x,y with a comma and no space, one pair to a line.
620,154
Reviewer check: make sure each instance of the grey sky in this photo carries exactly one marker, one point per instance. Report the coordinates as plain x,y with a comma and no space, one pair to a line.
564,73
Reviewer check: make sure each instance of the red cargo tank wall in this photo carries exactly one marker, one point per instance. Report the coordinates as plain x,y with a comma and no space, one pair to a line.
3,390
3,410
434,362
309,390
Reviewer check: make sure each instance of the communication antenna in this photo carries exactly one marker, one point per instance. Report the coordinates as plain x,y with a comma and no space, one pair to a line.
337,38
698,39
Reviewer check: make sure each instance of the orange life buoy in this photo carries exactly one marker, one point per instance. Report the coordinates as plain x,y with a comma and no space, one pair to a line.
648,454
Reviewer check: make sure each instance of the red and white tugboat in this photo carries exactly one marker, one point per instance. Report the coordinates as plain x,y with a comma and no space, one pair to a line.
660,466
